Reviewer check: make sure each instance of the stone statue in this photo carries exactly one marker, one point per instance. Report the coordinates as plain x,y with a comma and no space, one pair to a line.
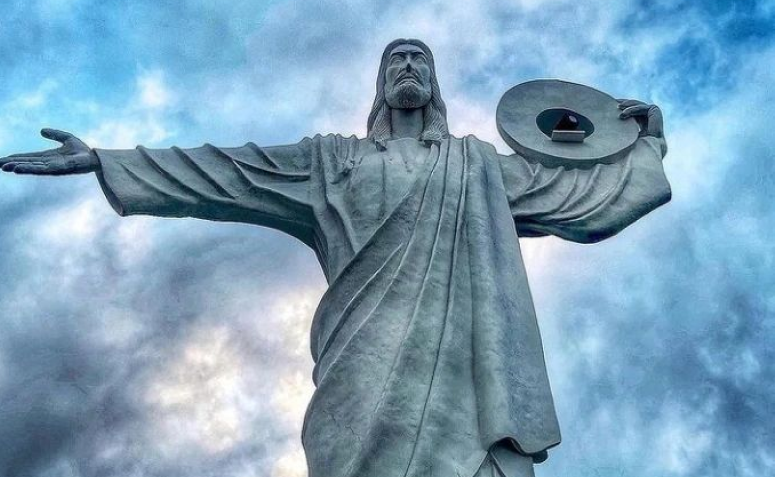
428,359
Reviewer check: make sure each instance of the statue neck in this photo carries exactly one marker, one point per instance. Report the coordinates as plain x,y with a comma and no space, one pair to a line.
407,123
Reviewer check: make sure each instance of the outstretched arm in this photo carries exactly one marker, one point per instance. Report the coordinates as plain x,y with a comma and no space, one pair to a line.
263,186
589,205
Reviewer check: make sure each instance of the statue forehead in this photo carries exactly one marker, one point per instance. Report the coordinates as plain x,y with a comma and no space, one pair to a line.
406,48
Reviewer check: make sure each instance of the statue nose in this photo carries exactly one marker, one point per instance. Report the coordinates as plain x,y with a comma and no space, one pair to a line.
409,66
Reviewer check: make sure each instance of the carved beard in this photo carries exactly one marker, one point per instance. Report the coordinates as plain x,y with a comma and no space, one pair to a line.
408,95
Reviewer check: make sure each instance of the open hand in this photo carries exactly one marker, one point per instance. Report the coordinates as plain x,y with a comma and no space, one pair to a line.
73,157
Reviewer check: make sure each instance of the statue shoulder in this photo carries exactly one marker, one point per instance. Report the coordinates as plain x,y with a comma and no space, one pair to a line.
337,153
336,145
336,139
483,146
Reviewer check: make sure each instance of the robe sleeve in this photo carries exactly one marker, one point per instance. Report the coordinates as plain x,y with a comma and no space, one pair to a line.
263,186
586,205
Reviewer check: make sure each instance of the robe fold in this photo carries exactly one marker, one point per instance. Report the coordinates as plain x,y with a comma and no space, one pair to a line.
426,345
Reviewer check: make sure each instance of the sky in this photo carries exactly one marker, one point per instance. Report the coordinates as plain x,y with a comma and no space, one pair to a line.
144,347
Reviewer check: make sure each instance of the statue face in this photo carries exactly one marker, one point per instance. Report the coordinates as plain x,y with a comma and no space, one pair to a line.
407,78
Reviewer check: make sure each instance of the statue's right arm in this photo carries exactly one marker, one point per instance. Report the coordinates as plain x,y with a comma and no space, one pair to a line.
263,186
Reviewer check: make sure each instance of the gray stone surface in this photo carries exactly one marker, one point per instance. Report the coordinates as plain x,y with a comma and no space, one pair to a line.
516,116
427,350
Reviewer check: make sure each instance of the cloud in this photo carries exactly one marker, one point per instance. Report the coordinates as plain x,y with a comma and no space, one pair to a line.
144,118
290,465
153,91
144,347
181,370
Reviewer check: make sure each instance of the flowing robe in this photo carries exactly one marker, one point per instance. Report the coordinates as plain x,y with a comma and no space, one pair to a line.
426,347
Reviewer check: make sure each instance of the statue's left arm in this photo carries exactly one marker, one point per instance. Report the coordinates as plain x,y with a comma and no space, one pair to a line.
592,204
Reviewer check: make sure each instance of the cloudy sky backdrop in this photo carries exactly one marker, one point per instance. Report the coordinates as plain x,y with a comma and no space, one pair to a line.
142,347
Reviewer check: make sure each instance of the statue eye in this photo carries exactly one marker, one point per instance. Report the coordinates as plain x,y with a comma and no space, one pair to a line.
395,59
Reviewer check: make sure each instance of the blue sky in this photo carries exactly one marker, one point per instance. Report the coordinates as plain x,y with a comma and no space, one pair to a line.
159,347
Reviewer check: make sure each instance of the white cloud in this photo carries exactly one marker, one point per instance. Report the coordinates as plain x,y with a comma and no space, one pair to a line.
62,240
291,397
127,133
153,91
38,97
197,399
683,441
292,464
24,110
134,239
72,223
116,329
142,120
470,117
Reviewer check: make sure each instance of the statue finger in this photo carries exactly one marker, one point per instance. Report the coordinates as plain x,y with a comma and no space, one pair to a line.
626,103
32,168
19,159
31,156
12,166
55,134
635,110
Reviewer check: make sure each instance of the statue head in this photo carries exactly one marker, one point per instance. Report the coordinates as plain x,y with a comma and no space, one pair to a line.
407,80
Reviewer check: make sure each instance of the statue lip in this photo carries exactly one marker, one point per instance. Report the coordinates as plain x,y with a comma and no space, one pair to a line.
404,79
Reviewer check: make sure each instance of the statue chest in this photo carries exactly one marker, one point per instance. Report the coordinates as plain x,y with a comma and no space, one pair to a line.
380,179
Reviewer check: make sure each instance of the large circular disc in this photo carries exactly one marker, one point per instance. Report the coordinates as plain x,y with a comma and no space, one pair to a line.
521,105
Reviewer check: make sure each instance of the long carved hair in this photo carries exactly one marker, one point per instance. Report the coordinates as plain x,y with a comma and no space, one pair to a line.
434,113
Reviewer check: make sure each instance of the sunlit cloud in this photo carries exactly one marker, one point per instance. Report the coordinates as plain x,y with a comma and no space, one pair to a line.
197,398
292,464
143,119
292,396
685,441
153,91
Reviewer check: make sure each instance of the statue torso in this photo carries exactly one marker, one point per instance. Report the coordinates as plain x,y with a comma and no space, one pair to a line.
378,181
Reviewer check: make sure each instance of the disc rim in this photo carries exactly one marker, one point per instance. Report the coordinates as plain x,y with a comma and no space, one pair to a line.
584,99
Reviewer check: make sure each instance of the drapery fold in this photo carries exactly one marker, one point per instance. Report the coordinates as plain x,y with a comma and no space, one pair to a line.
426,346
269,186
427,350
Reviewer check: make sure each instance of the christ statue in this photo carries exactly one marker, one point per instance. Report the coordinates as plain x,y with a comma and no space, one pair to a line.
428,358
